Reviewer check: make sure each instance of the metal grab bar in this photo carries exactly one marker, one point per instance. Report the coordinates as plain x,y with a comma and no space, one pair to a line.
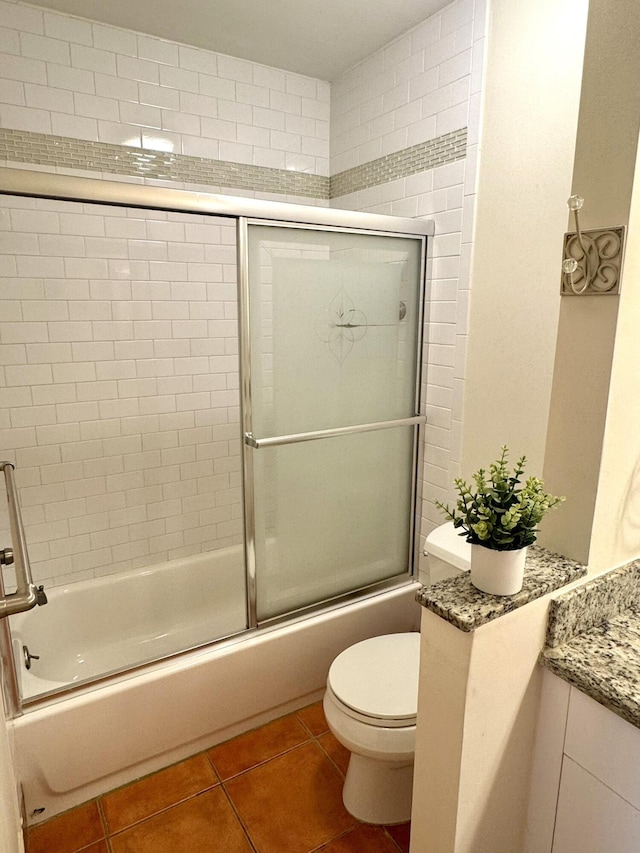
295,438
27,594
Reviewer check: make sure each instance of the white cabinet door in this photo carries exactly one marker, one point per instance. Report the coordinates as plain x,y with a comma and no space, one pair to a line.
591,817
605,745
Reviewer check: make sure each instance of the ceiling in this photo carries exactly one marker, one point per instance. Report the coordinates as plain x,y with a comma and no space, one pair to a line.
319,38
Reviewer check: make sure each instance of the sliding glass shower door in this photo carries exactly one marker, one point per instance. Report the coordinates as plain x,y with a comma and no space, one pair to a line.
119,408
330,373
121,388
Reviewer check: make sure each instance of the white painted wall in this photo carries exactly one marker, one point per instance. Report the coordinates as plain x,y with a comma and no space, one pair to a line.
477,707
596,381
527,143
618,501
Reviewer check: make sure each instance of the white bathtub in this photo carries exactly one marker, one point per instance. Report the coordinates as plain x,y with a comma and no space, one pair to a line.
74,747
97,627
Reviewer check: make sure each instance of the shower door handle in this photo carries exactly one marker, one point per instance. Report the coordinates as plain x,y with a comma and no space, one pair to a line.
27,594
295,438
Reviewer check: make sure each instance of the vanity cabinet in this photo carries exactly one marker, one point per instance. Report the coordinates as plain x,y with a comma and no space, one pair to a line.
592,818
585,793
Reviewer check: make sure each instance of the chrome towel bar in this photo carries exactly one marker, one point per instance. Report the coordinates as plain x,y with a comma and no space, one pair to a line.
27,594
295,438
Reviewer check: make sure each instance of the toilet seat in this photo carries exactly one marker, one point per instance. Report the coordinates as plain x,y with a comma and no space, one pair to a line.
376,681
367,719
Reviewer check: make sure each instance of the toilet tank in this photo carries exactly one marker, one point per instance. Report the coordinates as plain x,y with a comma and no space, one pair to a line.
447,552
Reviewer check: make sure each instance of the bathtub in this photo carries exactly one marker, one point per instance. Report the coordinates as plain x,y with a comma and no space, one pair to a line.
98,627
71,748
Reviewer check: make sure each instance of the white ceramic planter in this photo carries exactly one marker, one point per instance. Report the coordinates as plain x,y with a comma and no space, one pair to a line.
497,572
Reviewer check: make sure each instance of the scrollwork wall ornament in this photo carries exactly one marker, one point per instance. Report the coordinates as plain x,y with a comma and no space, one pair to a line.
598,271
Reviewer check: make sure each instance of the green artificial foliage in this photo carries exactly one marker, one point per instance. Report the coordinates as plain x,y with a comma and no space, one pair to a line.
502,514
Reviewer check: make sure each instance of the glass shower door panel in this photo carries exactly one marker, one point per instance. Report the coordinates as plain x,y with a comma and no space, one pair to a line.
332,515
333,345
120,404
333,328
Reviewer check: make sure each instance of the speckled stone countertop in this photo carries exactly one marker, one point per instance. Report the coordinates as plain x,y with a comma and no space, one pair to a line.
593,640
467,608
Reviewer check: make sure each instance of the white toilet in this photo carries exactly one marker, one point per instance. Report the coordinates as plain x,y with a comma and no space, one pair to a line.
371,703
447,553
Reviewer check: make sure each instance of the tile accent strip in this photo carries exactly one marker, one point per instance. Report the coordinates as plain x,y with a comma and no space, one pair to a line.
66,152
22,146
418,158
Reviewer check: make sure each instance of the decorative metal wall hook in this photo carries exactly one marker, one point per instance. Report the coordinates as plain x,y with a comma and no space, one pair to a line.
598,262
592,260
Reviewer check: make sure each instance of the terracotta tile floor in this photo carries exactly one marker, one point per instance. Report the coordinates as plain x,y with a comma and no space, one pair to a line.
277,789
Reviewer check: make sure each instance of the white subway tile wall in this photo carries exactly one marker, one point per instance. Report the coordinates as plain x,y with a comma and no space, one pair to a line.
74,78
414,89
425,84
119,384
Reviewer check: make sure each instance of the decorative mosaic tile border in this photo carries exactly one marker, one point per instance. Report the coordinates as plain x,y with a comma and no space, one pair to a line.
23,146
418,158
66,152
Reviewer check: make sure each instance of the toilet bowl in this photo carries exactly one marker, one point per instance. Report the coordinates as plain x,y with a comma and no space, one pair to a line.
371,703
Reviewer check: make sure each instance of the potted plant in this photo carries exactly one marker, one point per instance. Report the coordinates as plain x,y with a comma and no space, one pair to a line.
500,519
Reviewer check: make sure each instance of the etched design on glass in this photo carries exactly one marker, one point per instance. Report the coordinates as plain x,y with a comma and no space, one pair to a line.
341,325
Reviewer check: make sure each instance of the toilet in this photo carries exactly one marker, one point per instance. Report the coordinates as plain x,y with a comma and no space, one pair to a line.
447,553
371,703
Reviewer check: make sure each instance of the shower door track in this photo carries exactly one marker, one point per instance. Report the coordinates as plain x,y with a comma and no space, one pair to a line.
24,182
45,185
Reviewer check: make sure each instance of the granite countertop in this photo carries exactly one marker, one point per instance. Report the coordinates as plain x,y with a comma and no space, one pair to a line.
593,640
467,608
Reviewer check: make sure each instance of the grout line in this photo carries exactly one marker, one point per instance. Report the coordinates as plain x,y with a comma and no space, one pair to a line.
240,821
206,753
103,817
164,809
265,761
391,839
325,844
302,723
335,764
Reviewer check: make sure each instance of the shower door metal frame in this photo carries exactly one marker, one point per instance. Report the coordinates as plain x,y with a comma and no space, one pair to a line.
250,443
47,185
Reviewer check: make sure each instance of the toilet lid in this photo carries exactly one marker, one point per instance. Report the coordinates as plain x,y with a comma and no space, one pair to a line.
379,677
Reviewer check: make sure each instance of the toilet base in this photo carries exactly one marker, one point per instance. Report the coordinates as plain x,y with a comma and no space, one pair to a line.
378,791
